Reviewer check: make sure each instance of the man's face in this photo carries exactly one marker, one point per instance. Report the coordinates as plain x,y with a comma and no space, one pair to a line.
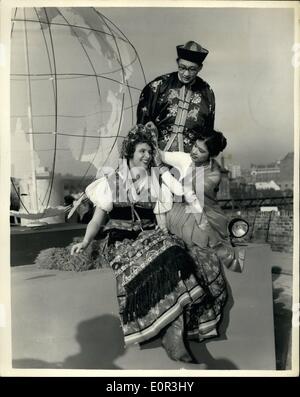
187,71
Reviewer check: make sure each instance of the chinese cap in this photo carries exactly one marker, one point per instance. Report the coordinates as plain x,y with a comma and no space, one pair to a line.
192,51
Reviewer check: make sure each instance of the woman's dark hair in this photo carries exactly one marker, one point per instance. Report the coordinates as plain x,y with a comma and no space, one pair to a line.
136,135
215,143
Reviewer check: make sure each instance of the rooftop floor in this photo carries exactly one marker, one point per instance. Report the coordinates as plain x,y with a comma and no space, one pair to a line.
70,320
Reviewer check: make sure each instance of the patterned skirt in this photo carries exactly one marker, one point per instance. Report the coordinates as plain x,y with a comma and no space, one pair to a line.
157,280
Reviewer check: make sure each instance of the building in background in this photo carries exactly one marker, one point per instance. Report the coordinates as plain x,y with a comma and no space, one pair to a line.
279,174
265,173
229,164
246,175
286,180
235,170
224,187
240,189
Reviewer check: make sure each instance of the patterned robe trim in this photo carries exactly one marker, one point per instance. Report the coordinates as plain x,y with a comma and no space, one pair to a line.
185,96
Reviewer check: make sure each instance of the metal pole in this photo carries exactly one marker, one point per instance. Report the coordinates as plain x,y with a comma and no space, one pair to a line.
33,195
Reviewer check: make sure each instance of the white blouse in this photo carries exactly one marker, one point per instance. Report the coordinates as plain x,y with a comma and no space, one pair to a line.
101,195
180,160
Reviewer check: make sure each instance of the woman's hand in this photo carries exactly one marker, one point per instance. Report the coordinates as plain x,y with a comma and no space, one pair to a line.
152,129
157,158
92,229
79,247
162,223
162,228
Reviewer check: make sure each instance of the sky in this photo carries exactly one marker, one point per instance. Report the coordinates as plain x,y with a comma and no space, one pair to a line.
249,67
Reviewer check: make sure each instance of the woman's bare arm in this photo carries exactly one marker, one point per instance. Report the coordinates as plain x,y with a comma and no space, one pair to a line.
92,229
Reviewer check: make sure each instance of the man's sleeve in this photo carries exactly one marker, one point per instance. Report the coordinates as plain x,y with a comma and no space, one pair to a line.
144,112
212,109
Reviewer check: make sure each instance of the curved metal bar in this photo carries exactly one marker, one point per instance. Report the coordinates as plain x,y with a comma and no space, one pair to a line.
56,105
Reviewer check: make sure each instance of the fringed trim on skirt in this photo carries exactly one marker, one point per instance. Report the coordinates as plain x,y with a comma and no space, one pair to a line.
156,281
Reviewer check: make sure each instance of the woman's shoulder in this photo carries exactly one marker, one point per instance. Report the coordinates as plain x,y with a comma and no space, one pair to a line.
214,170
215,165
100,194
101,181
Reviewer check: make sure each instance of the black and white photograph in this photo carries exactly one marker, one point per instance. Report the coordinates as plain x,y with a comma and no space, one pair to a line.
149,188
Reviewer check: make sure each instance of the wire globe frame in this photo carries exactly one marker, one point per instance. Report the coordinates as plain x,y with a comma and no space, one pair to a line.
52,49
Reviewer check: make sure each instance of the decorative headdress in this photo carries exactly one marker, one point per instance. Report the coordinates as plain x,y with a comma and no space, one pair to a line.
138,133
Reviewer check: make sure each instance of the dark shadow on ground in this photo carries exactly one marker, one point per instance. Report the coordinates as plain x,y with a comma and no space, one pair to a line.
101,342
282,305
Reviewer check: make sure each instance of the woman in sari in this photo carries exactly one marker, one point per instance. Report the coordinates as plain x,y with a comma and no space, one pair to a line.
154,274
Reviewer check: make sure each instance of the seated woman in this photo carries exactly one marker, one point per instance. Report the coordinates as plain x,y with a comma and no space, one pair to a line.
201,224
154,273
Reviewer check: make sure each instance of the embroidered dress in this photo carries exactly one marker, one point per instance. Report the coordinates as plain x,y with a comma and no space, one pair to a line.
179,111
157,279
154,274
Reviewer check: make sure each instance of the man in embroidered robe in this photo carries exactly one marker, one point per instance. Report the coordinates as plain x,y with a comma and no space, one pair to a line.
180,104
